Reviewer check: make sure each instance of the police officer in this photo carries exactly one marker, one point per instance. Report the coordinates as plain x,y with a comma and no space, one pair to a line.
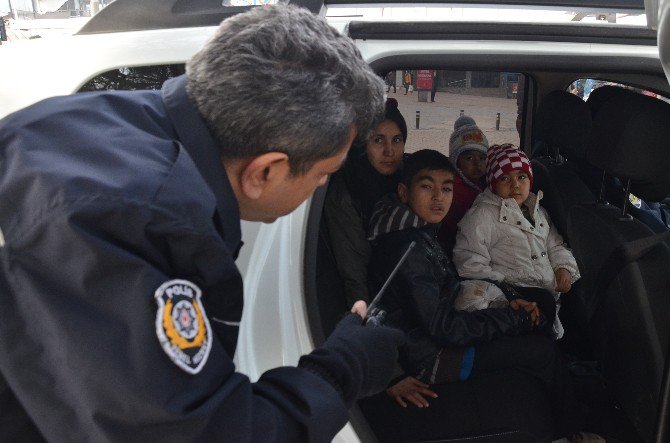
119,229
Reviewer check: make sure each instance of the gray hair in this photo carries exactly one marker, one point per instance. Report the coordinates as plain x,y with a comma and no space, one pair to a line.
280,78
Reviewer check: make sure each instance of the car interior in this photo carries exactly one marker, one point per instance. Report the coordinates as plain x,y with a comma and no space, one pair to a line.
601,161
590,155
588,164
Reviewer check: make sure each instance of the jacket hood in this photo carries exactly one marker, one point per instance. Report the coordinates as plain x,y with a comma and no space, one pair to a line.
365,184
390,215
461,177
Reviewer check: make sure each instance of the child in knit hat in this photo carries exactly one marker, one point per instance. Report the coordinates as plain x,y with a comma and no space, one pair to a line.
467,151
508,237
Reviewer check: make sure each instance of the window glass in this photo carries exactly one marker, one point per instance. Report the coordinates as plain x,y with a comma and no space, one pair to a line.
131,78
583,88
479,12
490,98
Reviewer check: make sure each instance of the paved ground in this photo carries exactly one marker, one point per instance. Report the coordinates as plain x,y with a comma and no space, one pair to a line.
437,119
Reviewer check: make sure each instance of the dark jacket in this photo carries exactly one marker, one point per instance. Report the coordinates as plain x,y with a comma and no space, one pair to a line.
104,197
352,194
419,300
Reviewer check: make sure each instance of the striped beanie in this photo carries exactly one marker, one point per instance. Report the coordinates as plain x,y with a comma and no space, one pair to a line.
502,159
466,137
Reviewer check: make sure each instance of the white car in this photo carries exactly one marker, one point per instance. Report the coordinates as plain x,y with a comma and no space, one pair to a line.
291,291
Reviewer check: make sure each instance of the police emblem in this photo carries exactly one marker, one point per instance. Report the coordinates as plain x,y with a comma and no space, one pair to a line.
182,326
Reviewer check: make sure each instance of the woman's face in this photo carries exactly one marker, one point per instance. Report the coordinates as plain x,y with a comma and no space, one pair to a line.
385,147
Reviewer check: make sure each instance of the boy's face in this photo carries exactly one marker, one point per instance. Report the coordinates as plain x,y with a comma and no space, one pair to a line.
472,164
429,194
515,184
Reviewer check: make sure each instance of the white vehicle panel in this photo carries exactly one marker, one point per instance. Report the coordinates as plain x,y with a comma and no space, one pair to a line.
36,69
373,50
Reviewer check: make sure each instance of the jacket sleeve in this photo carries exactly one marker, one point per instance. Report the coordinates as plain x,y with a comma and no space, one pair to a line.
89,365
433,306
348,240
559,255
473,241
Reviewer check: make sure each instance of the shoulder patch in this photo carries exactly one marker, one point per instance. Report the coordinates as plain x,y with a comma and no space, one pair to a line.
182,327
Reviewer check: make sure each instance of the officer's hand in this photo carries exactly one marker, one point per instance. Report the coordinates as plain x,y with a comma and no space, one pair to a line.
358,361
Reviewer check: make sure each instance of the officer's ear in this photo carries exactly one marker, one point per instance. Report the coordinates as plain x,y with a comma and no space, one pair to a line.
263,171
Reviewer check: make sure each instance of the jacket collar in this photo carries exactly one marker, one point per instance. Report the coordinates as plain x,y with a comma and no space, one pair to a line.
460,177
533,201
509,211
392,215
198,142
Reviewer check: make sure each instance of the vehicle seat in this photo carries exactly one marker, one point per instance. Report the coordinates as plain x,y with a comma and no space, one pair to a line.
503,406
652,213
631,315
562,130
561,133
601,95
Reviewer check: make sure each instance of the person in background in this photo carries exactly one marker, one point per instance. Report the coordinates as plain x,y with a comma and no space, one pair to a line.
369,174
120,217
390,81
407,81
433,88
467,151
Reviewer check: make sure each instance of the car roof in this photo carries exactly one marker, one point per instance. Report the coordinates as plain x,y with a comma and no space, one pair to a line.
173,30
131,15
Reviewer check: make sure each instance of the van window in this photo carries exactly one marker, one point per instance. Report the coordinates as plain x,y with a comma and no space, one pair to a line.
131,78
583,88
432,100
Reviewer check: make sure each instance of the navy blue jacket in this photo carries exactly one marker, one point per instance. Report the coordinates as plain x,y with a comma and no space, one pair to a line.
104,197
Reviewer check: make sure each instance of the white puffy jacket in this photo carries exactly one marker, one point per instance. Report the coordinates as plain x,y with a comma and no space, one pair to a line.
495,241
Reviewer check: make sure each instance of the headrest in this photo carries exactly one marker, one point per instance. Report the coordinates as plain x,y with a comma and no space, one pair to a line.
630,140
563,122
600,95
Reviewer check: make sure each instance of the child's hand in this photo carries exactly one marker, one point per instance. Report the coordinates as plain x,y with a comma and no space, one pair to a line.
360,308
529,306
412,390
563,280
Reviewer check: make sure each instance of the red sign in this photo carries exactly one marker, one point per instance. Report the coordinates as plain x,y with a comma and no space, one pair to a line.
424,79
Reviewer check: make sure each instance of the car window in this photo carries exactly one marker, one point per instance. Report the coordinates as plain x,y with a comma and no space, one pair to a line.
131,78
432,100
489,97
583,87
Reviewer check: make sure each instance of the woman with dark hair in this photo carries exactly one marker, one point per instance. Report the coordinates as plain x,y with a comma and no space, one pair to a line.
370,172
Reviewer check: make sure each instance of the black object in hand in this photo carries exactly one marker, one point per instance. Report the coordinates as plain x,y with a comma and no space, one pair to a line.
358,361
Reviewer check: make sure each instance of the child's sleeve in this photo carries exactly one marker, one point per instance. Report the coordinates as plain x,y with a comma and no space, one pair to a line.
559,255
471,252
